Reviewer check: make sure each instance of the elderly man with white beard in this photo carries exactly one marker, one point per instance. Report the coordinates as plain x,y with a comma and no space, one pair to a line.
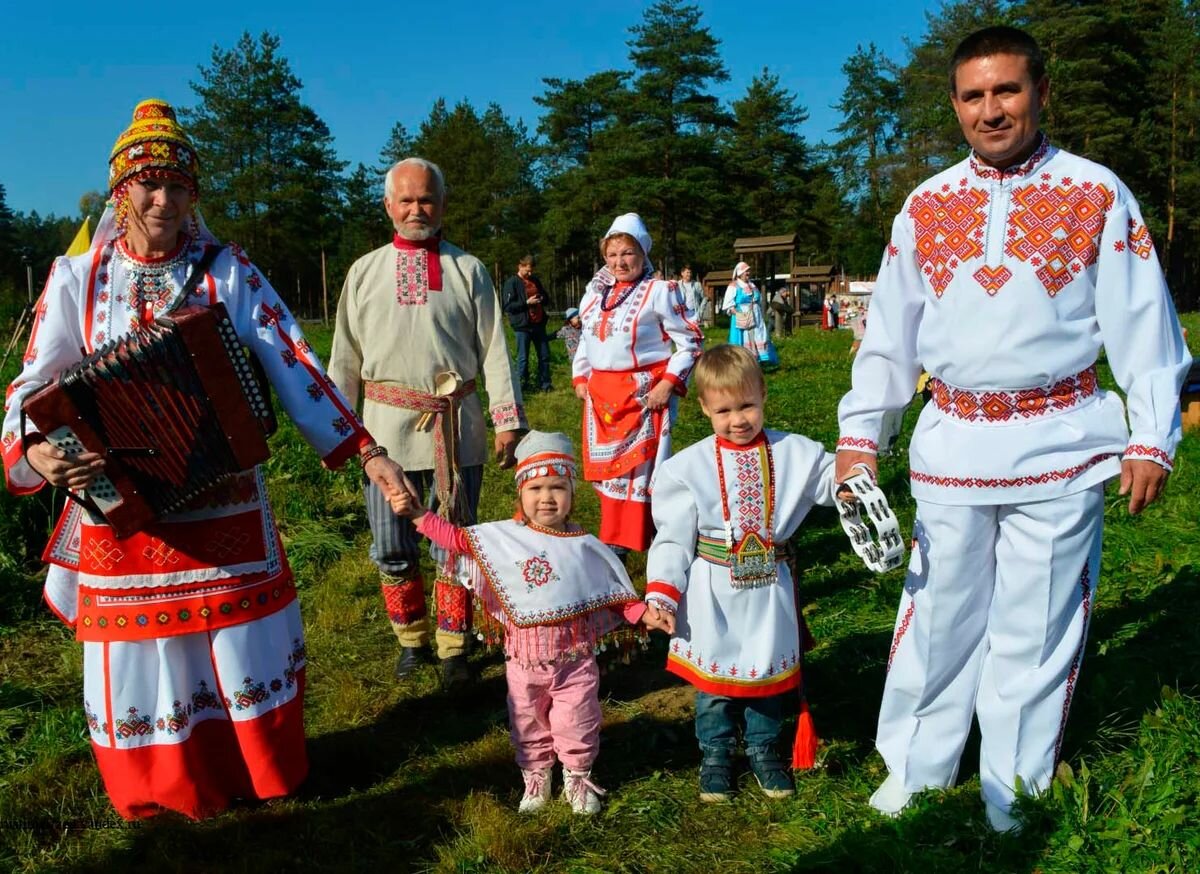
418,321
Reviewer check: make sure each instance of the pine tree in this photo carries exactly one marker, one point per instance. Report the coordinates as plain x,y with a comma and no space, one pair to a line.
582,157
270,176
363,223
865,157
670,148
767,158
11,268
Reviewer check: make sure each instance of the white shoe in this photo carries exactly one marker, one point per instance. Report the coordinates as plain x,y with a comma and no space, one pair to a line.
1001,820
537,790
580,792
891,798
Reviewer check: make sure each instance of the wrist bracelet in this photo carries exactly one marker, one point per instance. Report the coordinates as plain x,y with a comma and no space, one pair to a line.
374,452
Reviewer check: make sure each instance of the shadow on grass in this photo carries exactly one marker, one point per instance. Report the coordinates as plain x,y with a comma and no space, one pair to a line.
1128,677
393,830
942,832
343,820
357,758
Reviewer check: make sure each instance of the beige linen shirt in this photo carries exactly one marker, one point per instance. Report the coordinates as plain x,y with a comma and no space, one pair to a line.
379,339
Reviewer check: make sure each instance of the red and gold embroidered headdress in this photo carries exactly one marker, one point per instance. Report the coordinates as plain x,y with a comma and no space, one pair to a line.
153,142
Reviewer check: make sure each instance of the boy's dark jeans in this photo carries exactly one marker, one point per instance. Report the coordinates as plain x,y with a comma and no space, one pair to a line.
719,720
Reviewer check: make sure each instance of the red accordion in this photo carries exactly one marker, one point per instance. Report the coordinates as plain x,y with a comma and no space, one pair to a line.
174,407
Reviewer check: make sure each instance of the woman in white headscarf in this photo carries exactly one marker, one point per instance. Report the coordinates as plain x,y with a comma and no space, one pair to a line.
628,377
747,327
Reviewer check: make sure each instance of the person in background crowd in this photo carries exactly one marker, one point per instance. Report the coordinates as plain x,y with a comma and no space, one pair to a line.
524,300
571,330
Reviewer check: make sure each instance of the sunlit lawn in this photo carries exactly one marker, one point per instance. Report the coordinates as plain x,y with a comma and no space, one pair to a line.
404,778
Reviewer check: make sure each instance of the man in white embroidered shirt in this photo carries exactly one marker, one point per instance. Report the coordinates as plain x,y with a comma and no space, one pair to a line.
417,322
1004,276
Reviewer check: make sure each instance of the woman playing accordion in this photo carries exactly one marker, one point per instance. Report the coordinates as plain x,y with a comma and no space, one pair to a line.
193,651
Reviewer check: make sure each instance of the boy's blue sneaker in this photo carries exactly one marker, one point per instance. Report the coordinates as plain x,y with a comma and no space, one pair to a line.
772,774
716,780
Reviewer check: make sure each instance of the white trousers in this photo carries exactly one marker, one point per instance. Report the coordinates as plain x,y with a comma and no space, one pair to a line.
993,620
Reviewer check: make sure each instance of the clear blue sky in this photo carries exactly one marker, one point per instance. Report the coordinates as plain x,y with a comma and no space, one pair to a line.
71,72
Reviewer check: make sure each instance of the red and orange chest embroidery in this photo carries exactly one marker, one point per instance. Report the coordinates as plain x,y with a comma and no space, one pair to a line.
948,226
1056,228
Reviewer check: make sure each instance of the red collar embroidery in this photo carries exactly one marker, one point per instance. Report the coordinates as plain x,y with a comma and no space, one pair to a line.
1023,169
433,264
759,439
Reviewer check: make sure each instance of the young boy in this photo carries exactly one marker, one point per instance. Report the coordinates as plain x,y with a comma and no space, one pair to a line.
722,507
570,331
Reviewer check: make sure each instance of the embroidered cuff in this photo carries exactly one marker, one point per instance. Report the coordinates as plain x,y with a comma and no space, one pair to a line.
348,448
664,594
859,444
509,417
17,468
680,385
579,380
1142,452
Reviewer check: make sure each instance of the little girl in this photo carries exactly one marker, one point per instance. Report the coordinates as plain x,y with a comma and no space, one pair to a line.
556,591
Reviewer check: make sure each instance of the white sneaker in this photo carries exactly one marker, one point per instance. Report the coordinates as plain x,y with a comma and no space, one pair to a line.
580,792
537,790
890,798
1001,820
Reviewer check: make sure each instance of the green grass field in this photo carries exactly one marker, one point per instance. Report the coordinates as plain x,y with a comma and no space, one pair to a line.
404,778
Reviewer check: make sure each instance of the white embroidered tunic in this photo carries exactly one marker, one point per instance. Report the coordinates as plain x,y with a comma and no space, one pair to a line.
638,331
386,333
731,641
218,561
1005,286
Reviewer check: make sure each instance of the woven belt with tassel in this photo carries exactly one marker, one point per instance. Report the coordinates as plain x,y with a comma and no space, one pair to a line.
439,414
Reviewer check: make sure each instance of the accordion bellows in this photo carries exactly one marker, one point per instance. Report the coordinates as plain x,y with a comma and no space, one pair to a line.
174,407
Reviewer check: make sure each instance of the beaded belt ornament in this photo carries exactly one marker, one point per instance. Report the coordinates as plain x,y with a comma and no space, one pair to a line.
888,552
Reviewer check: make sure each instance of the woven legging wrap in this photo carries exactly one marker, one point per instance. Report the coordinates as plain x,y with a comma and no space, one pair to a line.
395,549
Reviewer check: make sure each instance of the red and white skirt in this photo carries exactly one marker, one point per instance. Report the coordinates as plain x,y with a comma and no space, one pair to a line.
191,722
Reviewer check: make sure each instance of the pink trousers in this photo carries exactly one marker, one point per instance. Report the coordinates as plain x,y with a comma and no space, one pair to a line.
555,709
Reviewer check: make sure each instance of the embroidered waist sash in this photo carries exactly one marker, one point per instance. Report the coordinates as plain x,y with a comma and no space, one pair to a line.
441,414
999,405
